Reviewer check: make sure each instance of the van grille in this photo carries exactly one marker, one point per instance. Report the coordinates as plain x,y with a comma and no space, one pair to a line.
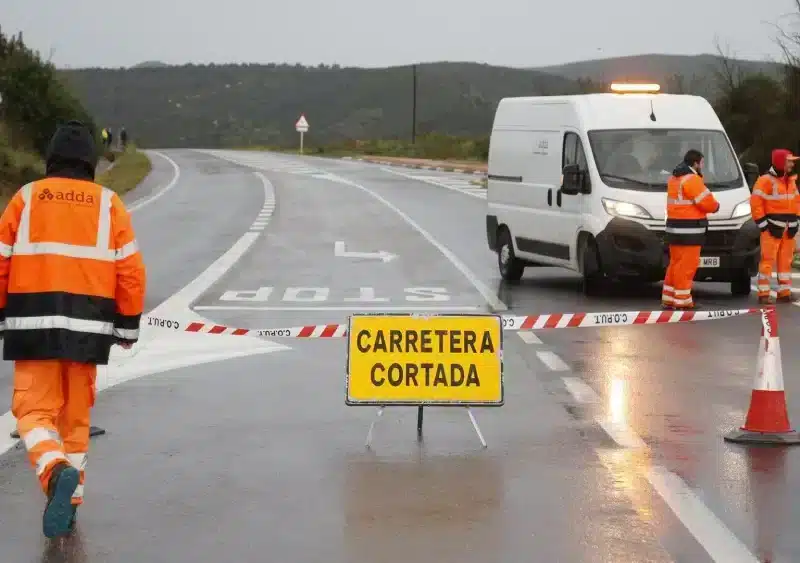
715,240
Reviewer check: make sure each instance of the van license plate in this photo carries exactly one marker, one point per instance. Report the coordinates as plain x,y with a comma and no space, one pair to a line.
709,261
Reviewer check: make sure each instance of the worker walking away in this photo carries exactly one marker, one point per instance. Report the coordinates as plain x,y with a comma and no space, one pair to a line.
72,284
775,204
104,135
123,139
689,202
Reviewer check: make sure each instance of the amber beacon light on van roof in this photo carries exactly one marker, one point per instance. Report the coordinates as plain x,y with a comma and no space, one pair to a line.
631,88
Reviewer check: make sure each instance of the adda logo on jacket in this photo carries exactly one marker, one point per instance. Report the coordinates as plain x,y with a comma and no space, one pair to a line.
71,196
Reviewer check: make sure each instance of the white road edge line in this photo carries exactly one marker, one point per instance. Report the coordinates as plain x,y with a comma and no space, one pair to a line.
721,544
354,307
488,295
528,337
178,302
552,361
433,183
176,175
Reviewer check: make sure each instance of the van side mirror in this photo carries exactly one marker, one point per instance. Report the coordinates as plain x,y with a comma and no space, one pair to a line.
571,180
751,173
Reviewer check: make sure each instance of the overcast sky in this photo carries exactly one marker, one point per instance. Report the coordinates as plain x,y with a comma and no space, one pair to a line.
108,33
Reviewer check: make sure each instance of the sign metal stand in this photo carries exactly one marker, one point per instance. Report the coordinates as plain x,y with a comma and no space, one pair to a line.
379,414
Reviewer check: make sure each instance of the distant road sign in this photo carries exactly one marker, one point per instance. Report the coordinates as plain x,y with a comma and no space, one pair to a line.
302,124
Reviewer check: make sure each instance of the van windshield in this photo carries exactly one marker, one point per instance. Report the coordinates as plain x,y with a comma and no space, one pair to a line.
643,159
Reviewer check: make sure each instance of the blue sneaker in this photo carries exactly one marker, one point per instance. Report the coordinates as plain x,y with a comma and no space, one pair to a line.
59,514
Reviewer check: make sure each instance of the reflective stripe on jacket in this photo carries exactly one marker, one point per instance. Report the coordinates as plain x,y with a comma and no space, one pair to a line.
72,280
775,201
689,202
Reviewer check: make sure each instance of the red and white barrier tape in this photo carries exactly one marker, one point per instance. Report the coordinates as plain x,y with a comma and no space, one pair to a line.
510,322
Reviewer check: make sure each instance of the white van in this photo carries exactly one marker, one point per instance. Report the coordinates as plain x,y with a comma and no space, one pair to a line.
580,182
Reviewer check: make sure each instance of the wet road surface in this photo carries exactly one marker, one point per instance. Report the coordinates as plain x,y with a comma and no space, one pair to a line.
609,446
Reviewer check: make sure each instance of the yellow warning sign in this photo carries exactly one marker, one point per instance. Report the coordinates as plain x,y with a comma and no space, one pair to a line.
435,360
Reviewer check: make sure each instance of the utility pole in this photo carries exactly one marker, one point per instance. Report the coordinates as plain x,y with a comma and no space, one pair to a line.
414,106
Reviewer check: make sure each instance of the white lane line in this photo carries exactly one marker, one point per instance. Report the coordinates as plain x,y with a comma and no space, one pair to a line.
192,292
427,180
580,391
552,361
528,337
335,308
489,296
711,533
176,175
720,543
620,432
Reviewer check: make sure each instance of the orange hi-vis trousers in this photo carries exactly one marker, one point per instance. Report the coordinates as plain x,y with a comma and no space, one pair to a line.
52,402
683,264
780,250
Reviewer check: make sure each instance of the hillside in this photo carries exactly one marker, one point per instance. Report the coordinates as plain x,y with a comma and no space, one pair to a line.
697,71
258,104
249,104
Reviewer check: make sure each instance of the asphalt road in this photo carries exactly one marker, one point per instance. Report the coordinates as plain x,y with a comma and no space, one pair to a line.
609,446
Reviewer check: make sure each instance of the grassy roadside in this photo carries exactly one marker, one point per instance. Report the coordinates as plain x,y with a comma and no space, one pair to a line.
127,171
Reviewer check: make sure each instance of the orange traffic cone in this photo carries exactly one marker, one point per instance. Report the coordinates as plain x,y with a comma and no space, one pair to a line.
768,418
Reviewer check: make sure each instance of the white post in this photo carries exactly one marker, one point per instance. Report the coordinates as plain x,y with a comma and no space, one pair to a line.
301,141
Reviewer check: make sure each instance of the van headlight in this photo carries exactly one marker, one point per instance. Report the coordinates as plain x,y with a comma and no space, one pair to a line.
625,209
741,210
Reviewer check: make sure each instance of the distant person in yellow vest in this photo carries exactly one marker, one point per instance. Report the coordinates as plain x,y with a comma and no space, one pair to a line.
104,135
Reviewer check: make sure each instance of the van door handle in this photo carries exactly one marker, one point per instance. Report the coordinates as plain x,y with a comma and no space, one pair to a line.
558,198
550,197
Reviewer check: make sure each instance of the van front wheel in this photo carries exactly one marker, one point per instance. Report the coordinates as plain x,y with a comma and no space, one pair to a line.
741,284
591,269
511,268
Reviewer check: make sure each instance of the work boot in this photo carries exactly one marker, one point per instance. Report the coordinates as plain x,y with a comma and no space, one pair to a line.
59,514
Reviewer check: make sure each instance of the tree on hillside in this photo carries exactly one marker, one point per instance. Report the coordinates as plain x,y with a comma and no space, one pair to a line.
35,100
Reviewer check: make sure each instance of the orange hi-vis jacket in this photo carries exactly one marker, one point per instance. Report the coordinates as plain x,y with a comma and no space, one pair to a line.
775,202
689,202
72,280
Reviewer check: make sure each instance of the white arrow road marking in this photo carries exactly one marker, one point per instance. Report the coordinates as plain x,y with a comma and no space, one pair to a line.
159,351
340,250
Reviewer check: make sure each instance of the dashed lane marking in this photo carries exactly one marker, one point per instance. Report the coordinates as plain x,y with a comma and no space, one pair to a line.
529,337
265,161
458,184
552,360
711,533
265,215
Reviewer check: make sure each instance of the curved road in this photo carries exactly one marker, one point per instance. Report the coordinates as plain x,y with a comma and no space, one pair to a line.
609,446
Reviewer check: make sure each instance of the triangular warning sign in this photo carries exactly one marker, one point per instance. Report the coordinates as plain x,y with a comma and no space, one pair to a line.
301,122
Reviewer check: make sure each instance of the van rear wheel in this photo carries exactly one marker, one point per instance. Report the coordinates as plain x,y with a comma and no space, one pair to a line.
511,267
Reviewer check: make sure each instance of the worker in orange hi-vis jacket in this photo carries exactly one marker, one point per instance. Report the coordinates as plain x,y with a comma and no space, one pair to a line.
72,284
775,204
689,202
